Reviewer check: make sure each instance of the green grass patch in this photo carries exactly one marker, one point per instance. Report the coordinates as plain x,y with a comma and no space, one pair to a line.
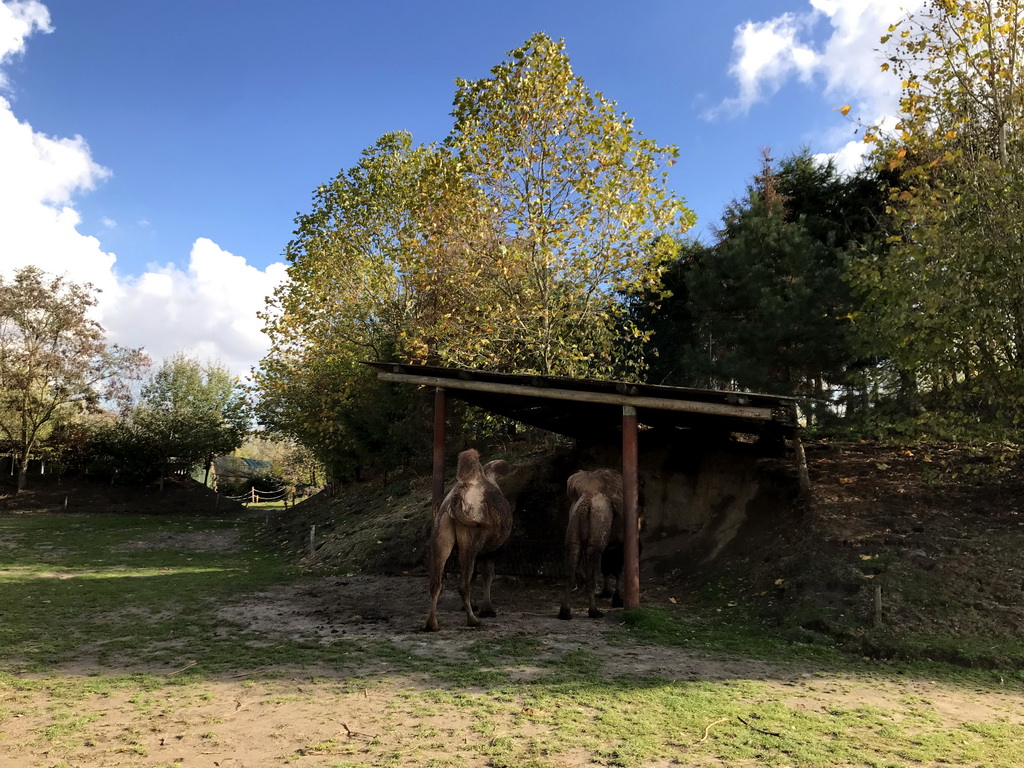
122,594
120,590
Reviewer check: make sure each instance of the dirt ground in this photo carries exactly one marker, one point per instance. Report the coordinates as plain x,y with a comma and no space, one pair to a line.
891,511
326,717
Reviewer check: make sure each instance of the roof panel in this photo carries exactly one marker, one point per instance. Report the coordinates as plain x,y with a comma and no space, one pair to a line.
576,407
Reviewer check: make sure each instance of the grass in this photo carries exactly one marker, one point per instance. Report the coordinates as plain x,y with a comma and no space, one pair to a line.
116,597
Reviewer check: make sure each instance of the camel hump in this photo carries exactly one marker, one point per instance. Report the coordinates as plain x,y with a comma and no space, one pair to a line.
603,481
612,480
493,470
469,468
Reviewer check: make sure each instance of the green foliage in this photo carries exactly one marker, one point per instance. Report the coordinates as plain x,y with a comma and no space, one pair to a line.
767,306
54,361
948,295
579,205
509,248
121,451
191,412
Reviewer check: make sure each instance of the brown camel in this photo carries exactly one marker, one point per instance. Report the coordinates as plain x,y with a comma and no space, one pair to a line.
595,519
476,517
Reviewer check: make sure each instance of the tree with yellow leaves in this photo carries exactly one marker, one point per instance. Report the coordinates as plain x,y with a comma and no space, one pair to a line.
949,294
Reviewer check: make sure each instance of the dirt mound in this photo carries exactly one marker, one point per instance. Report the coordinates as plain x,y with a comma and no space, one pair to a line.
903,552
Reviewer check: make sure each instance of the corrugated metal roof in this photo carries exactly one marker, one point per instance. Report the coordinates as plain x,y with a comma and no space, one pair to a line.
582,407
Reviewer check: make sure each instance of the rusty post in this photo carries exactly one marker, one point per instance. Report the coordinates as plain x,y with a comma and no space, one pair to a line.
631,497
440,417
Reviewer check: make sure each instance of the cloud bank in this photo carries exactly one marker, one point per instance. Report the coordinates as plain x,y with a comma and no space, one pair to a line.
207,310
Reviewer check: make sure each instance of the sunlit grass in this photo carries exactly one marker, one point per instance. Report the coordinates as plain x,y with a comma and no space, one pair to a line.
82,593
117,572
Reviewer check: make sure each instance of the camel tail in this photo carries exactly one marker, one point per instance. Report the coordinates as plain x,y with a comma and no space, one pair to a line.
583,519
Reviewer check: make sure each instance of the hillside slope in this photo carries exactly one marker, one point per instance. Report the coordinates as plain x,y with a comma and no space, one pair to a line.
900,552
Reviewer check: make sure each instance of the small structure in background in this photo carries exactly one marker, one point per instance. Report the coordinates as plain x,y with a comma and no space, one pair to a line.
231,474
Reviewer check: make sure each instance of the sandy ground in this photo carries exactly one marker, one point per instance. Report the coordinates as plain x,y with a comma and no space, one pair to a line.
369,716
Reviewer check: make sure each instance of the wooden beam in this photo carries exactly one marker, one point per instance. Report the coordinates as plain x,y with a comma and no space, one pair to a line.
656,403
630,511
440,419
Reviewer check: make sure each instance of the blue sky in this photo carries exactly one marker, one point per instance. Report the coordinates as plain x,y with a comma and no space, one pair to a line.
161,149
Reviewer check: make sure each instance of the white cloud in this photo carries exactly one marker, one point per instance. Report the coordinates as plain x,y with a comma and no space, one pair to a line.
766,54
18,20
846,65
208,310
38,224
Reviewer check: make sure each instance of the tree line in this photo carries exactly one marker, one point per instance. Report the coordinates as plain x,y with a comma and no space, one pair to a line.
542,236
85,405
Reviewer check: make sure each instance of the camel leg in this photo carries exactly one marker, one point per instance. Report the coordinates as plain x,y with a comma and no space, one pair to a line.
611,566
467,561
486,608
440,549
597,542
616,595
572,559
592,565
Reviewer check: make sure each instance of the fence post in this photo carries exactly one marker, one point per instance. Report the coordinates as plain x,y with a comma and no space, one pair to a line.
312,540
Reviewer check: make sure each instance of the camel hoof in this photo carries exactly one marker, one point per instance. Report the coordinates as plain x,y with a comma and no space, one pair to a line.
431,626
487,613
617,600
594,613
565,614
473,621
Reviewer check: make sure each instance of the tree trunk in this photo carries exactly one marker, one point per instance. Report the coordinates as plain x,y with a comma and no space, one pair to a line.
24,455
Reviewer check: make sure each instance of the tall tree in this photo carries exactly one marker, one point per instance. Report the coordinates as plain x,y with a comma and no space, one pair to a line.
54,360
377,271
510,247
950,293
191,412
581,215
767,305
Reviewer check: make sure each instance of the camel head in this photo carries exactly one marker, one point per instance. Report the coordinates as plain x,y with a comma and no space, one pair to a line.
469,468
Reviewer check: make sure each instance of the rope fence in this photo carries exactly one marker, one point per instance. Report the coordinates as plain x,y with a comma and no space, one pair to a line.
254,496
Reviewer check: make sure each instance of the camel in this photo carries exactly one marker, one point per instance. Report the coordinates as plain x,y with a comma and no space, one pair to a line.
475,516
595,519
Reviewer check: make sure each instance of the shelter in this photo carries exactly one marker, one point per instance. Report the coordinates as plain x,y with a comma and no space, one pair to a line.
584,408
